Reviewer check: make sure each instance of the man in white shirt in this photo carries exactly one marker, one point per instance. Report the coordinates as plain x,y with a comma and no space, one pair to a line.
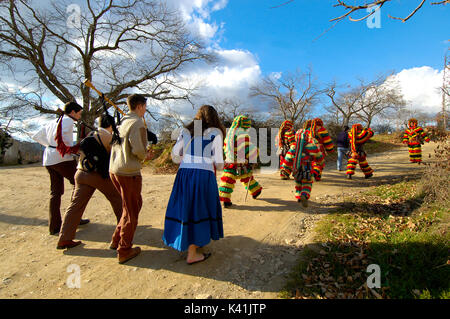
59,167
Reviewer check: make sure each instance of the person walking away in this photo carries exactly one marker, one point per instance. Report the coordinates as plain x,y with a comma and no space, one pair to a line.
343,144
305,151
91,175
125,172
358,136
320,134
58,159
194,214
284,140
240,155
289,158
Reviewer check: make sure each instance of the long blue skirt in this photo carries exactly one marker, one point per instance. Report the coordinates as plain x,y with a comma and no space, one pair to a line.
194,213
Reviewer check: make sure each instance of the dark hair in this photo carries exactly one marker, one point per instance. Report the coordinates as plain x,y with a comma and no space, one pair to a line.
346,128
134,99
72,106
209,117
105,120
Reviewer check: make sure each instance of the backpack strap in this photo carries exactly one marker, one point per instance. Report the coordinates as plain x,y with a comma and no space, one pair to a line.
101,142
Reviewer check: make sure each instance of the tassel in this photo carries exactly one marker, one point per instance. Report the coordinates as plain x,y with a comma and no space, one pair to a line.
62,148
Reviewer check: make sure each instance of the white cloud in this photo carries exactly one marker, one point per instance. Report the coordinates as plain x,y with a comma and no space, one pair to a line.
421,88
230,77
197,15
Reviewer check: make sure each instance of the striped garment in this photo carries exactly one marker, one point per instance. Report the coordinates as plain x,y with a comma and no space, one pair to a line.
413,137
239,158
324,139
287,137
362,136
358,136
326,146
228,180
310,152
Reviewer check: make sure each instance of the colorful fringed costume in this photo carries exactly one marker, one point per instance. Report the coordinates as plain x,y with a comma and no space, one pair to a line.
240,154
326,145
286,137
304,152
358,136
414,137
289,158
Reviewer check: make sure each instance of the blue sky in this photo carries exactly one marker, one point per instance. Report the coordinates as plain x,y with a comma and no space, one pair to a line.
285,38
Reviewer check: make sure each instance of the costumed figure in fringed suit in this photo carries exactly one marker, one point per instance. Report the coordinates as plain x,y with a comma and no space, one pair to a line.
285,138
240,154
289,158
304,152
414,137
326,145
358,136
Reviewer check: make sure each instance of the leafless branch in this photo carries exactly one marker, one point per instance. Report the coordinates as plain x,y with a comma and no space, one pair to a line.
120,45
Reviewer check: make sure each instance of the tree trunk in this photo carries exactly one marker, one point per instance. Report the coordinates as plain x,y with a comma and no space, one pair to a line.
345,120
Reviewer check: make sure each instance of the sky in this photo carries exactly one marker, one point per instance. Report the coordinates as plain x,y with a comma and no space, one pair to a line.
268,40
289,36
253,39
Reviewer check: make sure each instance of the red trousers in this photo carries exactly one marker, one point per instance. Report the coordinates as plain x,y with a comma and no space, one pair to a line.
57,173
129,188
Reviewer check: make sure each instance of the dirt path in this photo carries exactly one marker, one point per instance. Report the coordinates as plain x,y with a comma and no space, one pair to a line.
261,244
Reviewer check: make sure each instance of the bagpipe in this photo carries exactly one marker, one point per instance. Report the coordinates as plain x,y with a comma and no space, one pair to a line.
151,137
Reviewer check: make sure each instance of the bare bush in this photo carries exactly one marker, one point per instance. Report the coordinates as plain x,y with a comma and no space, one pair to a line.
435,183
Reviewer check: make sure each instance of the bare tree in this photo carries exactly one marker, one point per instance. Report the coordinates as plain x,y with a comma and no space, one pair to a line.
379,100
121,45
293,95
229,108
365,101
345,103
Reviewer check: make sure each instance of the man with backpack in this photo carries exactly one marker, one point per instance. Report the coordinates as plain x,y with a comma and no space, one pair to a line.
92,173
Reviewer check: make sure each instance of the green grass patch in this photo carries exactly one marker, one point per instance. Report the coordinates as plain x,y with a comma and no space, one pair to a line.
389,226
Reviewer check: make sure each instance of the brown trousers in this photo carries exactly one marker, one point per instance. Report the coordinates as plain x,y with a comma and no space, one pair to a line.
129,188
57,173
85,185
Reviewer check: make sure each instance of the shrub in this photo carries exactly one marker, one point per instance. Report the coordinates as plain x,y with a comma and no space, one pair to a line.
435,183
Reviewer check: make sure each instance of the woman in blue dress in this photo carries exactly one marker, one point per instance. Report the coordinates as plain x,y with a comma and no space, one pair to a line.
194,213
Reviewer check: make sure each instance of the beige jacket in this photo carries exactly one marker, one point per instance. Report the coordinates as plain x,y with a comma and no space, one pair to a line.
105,138
126,158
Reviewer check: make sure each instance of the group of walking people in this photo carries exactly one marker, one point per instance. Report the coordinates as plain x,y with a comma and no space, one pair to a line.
302,154
194,211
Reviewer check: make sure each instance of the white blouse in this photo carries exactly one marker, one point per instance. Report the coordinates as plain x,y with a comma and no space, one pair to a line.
206,157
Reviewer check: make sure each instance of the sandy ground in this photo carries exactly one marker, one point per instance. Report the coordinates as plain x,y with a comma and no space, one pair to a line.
262,241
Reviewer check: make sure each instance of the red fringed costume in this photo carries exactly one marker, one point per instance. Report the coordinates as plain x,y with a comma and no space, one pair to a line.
358,136
326,146
414,137
285,139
